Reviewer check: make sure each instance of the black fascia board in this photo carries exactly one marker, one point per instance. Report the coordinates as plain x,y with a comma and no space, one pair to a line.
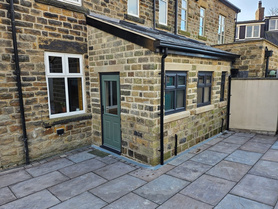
124,34
229,4
197,52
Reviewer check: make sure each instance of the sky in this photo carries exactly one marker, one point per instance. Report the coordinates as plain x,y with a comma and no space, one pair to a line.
249,7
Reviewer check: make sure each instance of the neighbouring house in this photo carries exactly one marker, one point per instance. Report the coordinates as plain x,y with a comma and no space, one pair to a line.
93,72
257,43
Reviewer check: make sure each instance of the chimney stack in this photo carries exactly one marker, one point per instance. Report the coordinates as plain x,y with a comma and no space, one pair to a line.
260,12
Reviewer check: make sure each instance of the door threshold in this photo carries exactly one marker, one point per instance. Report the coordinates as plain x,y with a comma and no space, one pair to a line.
110,149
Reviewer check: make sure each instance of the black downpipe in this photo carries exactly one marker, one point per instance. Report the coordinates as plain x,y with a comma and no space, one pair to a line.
176,144
18,81
154,12
165,54
176,16
229,102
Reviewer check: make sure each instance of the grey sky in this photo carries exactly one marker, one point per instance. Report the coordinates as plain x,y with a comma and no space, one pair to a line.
249,7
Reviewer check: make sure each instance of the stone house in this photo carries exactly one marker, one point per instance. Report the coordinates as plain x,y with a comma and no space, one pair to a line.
257,43
91,74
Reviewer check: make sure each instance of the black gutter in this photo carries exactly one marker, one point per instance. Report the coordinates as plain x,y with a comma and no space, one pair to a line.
235,28
229,102
229,4
19,86
165,54
154,12
176,16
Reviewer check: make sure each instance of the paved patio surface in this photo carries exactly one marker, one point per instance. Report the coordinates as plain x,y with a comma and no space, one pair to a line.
232,170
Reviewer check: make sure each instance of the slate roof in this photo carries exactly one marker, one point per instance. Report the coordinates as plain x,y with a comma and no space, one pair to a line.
155,40
272,36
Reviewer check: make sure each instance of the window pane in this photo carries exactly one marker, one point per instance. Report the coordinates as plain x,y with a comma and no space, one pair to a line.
201,79
183,13
170,81
208,79
181,80
133,7
162,12
249,31
183,25
55,64
199,95
202,12
74,65
256,30
272,25
57,95
206,94
169,100
180,98
75,94
184,4
111,97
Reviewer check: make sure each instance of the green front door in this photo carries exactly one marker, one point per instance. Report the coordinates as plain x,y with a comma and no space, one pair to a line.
111,110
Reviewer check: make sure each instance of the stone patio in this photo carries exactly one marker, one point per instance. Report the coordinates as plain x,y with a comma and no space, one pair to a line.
232,170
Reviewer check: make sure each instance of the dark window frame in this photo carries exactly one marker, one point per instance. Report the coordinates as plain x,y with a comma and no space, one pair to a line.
174,88
222,86
203,85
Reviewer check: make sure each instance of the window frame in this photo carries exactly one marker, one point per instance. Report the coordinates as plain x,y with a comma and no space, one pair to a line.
65,74
275,25
205,75
174,89
138,5
221,28
166,12
78,3
186,11
252,36
222,86
203,25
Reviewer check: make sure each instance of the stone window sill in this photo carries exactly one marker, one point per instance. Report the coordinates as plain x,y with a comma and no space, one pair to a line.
56,121
134,19
203,38
63,5
176,116
184,33
164,27
207,108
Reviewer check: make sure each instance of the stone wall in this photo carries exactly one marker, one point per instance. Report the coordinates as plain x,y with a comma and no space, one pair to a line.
252,56
40,27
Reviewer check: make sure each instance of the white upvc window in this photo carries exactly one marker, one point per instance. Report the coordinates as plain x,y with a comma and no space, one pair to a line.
252,31
65,84
202,21
184,15
221,29
237,32
163,12
273,24
75,2
133,7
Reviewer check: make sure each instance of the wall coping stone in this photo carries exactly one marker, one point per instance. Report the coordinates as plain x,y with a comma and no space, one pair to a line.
176,116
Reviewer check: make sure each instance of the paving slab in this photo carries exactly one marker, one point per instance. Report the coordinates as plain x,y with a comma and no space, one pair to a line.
264,139
181,159
189,170
209,157
275,145
231,201
265,168
225,147
82,168
107,159
200,149
215,141
76,186
36,184
181,201
82,201
117,188
236,139
132,201
114,170
12,178
6,196
147,174
49,167
82,156
42,200
208,189
255,147
161,189
260,189
229,170
245,134
244,157
271,155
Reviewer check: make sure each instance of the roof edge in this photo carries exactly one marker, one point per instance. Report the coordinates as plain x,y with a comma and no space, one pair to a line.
232,6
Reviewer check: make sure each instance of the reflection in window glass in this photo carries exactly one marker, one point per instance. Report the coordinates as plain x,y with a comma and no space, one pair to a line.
272,24
183,15
163,12
249,31
204,88
170,81
180,98
74,65
75,94
181,80
55,64
133,7
202,21
169,100
111,97
57,95
256,31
